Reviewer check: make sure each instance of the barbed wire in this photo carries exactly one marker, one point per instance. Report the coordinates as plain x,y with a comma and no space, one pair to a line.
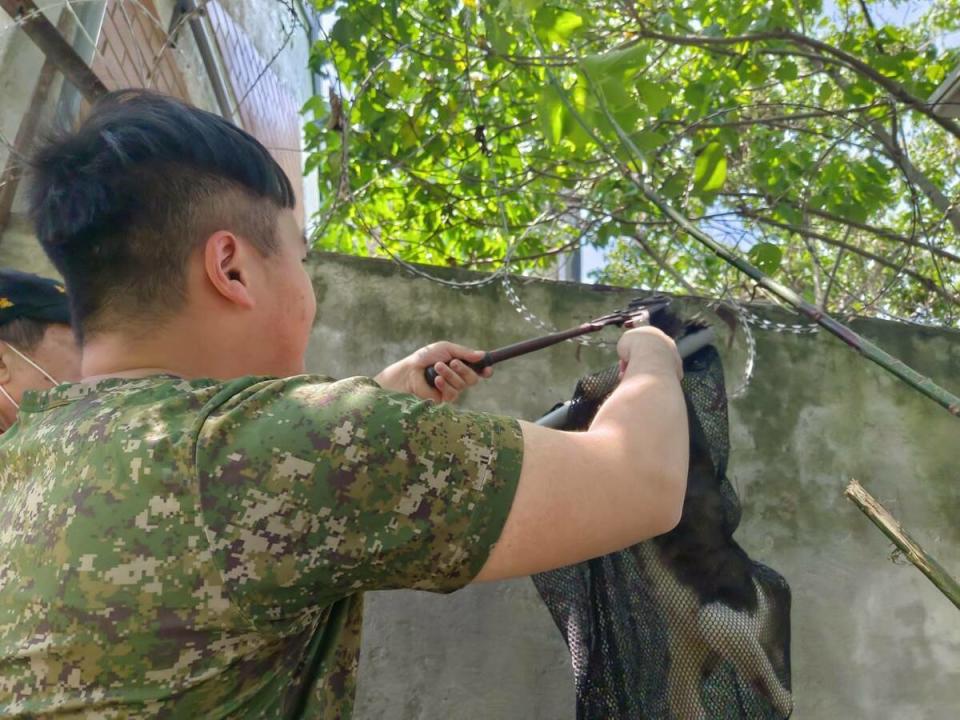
820,111
502,269
145,12
749,318
146,67
169,43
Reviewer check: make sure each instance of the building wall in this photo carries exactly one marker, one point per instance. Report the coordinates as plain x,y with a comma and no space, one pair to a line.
871,637
16,78
261,25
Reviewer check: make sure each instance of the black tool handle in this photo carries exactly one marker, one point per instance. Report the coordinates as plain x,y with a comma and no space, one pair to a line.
528,346
430,373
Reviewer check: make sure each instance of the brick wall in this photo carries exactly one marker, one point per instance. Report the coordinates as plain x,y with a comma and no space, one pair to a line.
266,108
132,50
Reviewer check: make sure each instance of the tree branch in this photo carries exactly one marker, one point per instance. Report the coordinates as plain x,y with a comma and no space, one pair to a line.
928,283
889,526
854,63
663,264
872,229
884,233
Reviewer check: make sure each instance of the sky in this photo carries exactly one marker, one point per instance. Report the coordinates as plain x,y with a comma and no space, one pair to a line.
883,13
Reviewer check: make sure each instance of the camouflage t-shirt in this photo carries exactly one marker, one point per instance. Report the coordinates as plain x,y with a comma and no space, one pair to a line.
198,549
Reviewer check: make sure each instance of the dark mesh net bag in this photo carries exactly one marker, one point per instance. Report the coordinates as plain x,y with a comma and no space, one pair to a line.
684,626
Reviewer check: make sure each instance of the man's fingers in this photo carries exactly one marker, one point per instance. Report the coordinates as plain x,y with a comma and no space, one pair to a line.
440,388
454,381
466,373
445,392
463,352
452,365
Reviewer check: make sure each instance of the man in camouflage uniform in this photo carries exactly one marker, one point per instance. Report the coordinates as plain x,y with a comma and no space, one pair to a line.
37,346
188,531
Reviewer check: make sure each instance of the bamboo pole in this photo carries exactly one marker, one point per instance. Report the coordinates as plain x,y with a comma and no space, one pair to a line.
872,352
888,524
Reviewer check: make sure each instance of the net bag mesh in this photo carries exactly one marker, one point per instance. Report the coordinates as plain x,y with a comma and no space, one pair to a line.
684,626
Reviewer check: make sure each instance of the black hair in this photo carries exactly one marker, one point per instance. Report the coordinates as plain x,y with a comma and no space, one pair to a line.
25,334
120,203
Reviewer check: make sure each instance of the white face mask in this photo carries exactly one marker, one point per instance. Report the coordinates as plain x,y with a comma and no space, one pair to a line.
32,364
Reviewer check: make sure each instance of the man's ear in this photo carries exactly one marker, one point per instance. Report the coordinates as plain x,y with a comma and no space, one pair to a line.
5,373
226,261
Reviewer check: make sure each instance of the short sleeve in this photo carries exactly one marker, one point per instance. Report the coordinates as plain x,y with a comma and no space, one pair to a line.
313,490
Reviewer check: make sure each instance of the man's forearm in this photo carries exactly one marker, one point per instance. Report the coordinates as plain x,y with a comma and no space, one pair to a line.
388,379
644,422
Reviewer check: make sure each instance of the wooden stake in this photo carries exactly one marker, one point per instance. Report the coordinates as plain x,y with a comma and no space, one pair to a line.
880,517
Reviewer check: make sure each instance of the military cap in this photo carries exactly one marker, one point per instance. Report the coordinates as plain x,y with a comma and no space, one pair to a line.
23,295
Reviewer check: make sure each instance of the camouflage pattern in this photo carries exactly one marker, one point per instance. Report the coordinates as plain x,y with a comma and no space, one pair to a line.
199,549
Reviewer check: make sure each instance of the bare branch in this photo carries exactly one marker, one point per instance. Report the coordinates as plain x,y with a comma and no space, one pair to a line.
824,49
881,517
928,283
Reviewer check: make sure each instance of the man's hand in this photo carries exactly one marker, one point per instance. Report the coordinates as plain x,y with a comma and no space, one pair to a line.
646,349
585,494
448,359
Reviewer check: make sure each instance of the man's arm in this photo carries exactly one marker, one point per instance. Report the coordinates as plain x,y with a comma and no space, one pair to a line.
582,495
315,490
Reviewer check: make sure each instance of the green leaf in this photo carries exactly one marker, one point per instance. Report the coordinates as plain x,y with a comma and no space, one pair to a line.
615,61
343,33
890,66
556,25
787,71
824,93
552,114
710,170
567,22
788,213
497,36
393,83
522,8
312,163
316,105
674,186
649,140
422,82
757,72
610,88
767,257
653,95
697,96
935,72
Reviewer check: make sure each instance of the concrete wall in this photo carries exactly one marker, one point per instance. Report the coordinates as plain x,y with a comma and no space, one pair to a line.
871,637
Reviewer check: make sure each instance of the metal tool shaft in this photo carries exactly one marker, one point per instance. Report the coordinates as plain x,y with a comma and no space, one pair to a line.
637,313
523,347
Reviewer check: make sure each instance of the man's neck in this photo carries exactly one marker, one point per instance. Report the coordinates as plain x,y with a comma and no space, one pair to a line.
118,355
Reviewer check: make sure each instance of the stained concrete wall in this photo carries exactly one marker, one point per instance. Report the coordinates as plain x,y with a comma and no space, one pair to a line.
871,637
